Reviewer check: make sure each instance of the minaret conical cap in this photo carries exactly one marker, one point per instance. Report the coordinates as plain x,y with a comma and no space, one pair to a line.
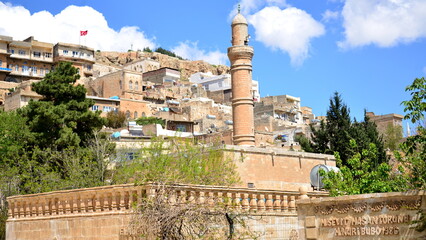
239,19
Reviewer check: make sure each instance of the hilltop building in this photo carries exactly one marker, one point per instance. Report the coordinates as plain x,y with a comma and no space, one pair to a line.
219,87
162,76
81,57
27,59
384,121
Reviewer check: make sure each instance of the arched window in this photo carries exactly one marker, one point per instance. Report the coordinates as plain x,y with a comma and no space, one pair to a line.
136,85
135,115
127,114
130,85
143,114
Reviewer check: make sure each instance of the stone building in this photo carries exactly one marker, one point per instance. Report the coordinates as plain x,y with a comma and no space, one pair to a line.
383,121
123,84
20,96
27,59
143,65
4,56
218,87
81,57
6,88
162,76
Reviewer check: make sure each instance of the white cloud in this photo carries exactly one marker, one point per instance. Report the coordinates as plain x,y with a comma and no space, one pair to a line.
289,30
384,23
329,15
190,50
19,23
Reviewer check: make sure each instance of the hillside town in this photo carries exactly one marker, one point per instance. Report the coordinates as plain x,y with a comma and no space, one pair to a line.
199,154
193,97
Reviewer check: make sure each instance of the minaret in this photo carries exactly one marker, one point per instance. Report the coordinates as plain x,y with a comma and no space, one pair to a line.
240,55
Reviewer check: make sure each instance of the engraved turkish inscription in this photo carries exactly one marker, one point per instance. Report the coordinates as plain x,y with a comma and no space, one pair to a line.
367,219
383,224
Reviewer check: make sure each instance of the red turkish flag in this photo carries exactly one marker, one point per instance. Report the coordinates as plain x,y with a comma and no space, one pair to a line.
83,33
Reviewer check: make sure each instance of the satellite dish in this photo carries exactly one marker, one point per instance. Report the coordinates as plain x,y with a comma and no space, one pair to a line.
316,179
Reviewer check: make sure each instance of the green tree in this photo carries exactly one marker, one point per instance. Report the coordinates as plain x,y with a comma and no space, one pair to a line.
147,49
361,175
392,137
167,52
165,164
115,119
335,133
150,120
414,148
178,161
62,117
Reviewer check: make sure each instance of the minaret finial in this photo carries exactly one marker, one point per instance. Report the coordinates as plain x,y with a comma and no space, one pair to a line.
239,8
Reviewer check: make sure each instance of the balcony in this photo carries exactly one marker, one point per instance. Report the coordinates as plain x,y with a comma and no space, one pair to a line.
8,70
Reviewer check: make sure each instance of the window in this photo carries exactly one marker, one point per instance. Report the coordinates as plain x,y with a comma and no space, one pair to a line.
47,55
41,71
136,85
107,109
11,51
65,52
121,84
127,114
95,108
24,69
1,63
16,68
74,53
135,115
21,52
34,70
143,114
130,85
47,71
181,128
37,54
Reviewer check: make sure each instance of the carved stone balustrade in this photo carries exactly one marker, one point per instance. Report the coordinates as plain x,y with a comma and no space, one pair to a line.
123,198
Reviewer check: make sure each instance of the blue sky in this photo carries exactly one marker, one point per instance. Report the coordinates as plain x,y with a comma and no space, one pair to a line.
367,50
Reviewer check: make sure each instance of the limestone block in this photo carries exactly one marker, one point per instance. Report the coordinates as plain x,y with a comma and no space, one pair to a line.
310,222
311,233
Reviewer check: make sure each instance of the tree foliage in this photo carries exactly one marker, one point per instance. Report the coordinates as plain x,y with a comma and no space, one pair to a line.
414,148
150,120
115,119
62,117
392,137
361,175
178,161
334,134
167,52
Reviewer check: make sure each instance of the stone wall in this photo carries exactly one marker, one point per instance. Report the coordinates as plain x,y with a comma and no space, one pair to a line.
275,168
367,216
105,212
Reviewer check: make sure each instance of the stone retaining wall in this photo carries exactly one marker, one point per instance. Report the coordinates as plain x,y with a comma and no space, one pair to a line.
105,212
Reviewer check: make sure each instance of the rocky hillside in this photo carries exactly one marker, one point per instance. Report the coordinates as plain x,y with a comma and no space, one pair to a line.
186,67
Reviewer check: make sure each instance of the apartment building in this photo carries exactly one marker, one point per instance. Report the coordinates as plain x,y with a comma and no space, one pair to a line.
4,55
27,59
218,87
81,57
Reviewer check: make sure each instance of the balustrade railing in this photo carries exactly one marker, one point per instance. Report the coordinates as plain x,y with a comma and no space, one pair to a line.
122,198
